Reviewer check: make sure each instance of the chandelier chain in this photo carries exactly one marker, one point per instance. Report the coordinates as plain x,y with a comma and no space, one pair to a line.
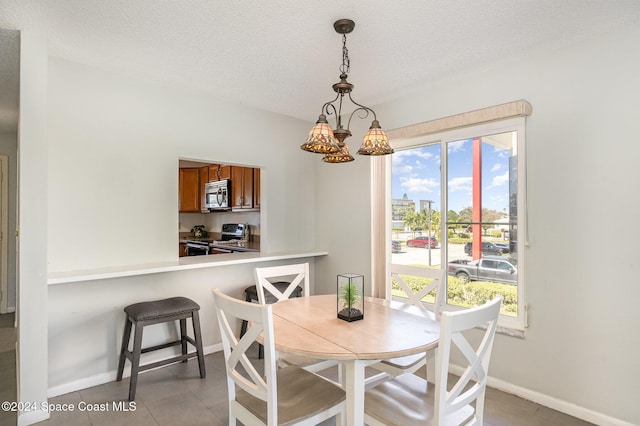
346,62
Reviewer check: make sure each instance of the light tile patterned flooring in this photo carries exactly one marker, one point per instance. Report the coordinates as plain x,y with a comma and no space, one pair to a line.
176,396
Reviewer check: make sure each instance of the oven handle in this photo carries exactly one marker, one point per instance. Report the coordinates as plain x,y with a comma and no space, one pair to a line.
222,250
199,247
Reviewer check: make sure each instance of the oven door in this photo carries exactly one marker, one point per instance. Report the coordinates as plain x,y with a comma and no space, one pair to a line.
194,249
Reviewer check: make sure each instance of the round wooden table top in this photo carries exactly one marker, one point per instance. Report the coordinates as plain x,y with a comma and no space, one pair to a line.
309,326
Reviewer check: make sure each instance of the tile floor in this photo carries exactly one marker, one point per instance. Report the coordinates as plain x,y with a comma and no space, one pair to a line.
175,395
7,367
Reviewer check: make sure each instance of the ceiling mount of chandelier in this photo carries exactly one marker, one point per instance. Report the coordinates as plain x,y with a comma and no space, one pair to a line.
331,142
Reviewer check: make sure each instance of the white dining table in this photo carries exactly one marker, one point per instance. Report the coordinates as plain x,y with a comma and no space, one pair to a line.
308,326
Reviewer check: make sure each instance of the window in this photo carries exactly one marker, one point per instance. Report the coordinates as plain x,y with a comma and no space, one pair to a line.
466,189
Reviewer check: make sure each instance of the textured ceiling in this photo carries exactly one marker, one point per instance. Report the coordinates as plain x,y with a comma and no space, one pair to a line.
283,56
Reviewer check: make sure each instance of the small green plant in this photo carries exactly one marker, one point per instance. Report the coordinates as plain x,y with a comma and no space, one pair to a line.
350,296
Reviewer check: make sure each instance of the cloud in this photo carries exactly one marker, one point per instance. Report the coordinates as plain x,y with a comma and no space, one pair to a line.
460,184
402,169
455,146
501,152
496,167
499,180
423,154
412,184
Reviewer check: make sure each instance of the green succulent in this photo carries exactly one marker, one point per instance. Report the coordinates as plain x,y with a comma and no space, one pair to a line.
350,295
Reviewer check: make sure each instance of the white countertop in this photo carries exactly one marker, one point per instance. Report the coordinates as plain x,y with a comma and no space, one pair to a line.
183,263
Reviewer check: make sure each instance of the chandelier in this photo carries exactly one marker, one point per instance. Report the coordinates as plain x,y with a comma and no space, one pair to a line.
322,139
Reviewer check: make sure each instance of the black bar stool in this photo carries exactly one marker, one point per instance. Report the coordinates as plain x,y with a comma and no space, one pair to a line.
155,312
251,295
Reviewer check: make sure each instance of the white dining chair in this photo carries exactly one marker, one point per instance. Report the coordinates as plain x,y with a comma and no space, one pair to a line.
291,395
265,278
409,399
412,363
298,276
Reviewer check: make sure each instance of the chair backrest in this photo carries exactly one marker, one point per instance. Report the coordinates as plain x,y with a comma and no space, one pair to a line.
299,272
472,383
416,298
240,372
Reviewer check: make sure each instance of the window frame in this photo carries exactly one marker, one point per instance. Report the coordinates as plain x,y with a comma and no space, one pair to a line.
519,322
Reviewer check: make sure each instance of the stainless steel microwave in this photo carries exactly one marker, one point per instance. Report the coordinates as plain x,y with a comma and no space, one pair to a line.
217,194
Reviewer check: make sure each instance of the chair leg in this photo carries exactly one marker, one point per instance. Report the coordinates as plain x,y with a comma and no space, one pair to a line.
135,361
183,334
197,335
123,349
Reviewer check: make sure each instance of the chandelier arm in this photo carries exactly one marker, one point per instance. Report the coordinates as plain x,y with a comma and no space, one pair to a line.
362,108
325,107
367,110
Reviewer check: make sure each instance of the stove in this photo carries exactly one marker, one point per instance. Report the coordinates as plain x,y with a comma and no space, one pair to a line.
197,248
234,232
233,235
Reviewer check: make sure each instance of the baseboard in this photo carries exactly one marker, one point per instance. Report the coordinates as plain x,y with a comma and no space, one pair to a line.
550,402
102,378
31,417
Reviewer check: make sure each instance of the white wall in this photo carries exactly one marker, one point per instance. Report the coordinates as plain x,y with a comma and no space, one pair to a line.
32,212
98,156
580,350
114,145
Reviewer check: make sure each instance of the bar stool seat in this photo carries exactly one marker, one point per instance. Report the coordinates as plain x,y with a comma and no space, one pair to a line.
159,311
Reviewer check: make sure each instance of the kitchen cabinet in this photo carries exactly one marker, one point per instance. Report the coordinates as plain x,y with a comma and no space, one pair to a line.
213,171
242,187
182,249
256,188
219,172
189,190
224,172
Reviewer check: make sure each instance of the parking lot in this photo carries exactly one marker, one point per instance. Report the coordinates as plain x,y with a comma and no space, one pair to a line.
420,256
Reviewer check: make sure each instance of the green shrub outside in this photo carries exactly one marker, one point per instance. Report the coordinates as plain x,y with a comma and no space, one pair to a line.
473,293
458,240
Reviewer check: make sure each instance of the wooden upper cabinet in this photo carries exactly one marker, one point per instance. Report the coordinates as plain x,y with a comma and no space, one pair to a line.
242,187
213,172
256,188
189,190
224,172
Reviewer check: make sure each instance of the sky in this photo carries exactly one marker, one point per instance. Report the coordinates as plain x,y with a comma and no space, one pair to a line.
416,172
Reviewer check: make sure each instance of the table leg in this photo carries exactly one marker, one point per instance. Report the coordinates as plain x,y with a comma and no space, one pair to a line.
431,365
354,388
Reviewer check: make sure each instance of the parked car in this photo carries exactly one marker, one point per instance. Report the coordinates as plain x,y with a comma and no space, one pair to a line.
396,246
504,246
488,248
489,268
422,242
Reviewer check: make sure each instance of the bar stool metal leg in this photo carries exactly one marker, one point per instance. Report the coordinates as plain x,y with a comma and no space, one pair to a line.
197,334
123,348
183,336
135,360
